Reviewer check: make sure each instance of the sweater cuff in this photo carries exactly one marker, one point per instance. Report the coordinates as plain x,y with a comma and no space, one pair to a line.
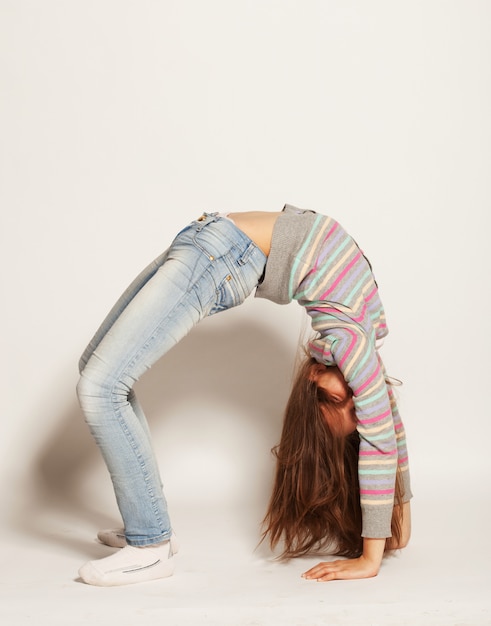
406,485
376,521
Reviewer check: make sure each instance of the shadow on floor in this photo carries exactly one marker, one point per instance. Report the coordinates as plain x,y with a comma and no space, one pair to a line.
244,365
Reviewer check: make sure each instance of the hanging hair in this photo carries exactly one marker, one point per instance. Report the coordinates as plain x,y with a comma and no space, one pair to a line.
315,503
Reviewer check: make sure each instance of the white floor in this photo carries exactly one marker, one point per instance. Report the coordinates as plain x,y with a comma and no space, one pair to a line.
441,578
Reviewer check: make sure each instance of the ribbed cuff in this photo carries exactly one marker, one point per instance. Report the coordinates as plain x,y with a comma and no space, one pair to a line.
376,521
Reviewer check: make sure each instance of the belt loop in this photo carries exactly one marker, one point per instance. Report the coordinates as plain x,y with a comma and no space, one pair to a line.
206,218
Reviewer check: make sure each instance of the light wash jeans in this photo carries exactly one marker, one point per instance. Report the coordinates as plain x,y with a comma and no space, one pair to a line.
211,266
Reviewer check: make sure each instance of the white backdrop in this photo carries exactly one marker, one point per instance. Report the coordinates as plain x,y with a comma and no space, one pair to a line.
121,121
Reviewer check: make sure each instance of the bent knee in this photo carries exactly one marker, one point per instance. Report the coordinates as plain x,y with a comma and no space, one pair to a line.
89,390
96,392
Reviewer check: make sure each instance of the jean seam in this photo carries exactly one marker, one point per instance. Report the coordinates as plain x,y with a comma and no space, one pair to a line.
139,457
119,381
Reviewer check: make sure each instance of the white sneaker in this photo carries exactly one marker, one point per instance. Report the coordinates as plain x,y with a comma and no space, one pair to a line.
115,538
130,565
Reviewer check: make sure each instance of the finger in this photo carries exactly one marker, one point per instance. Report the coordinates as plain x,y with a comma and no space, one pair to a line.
322,568
327,574
342,573
315,572
322,565
327,577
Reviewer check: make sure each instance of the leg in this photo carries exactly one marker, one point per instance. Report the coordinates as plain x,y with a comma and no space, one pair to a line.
158,316
203,273
125,298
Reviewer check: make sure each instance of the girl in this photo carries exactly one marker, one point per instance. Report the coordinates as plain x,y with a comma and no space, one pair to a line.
342,477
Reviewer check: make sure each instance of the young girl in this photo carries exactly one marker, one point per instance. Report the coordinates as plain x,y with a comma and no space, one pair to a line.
342,479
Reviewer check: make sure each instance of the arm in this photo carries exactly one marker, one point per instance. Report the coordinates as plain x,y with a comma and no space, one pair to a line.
378,451
405,514
354,353
368,564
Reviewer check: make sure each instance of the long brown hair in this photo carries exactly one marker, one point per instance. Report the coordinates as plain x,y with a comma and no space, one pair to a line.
315,503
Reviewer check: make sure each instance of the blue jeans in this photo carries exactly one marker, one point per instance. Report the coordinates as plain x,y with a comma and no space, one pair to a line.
211,266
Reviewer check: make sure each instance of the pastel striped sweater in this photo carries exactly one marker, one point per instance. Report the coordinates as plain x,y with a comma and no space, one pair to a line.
315,262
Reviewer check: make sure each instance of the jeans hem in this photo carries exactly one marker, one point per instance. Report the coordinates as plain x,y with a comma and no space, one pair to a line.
149,541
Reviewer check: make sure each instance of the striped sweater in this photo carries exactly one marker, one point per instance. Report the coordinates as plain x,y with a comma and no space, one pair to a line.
315,262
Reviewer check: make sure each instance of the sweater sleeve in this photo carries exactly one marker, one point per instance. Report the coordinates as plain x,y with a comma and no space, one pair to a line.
348,347
402,453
